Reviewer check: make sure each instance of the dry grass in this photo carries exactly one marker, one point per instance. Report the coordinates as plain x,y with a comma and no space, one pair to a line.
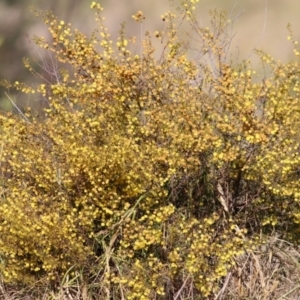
270,272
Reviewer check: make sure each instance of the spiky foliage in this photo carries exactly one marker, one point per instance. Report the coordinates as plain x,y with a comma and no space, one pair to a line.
148,176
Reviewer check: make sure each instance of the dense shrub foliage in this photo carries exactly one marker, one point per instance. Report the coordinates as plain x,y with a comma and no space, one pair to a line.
147,175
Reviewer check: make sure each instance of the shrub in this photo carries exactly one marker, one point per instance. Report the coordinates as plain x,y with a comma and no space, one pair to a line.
147,175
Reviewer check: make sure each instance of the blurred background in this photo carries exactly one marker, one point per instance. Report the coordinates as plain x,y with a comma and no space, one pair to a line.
260,24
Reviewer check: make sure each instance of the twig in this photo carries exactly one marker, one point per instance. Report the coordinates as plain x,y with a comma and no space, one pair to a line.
224,286
183,285
18,109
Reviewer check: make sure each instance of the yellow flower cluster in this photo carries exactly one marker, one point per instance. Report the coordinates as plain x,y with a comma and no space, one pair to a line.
144,172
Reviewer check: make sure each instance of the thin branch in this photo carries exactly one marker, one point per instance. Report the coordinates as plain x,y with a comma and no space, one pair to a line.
263,33
221,292
18,109
183,285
